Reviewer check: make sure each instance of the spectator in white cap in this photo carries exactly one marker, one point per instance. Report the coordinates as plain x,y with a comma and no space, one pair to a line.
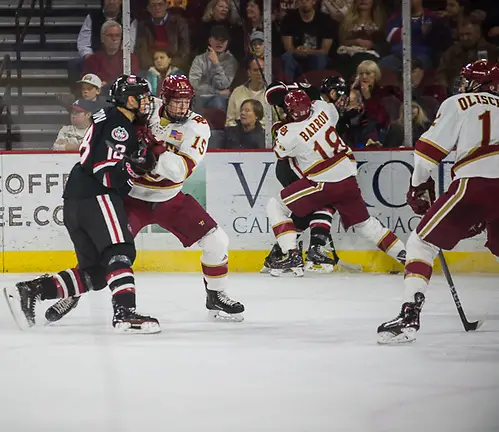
257,46
90,88
70,137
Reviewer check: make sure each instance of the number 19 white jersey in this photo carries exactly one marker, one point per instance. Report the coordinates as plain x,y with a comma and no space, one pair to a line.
469,123
315,148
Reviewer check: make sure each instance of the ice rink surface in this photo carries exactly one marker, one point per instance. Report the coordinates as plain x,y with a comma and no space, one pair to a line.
304,360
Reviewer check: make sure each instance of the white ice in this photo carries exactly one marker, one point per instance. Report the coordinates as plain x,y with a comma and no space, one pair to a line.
304,360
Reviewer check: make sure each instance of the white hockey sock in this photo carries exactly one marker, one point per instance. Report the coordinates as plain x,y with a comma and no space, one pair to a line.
282,225
418,267
214,259
385,239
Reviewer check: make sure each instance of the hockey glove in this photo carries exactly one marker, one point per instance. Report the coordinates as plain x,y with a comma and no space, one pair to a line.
146,137
141,162
421,197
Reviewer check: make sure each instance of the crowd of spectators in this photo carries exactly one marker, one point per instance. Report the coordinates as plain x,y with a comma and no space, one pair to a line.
219,45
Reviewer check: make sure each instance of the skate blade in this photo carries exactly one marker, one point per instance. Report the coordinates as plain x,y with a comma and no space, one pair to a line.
319,268
295,272
146,328
222,316
387,338
265,270
14,303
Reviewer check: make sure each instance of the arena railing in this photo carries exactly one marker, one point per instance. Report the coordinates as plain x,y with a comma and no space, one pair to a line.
6,99
21,32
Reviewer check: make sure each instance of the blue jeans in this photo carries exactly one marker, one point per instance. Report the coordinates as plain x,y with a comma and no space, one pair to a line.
295,65
214,101
394,62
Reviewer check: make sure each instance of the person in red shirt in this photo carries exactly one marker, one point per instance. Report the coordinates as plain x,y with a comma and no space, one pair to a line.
107,63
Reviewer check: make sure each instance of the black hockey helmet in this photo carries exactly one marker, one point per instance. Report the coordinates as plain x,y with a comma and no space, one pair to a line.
336,83
128,85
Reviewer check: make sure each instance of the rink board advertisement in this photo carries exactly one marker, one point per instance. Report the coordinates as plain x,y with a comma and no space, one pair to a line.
234,188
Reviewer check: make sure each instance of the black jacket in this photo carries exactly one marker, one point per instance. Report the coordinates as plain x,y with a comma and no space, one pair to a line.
237,138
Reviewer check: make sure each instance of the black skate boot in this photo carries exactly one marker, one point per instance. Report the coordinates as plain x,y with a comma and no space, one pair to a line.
61,309
318,260
403,328
126,320
291,263
401,257
274,254
221,307
22,300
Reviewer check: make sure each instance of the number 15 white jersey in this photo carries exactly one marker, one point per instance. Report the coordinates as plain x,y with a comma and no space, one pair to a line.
469,123
316,150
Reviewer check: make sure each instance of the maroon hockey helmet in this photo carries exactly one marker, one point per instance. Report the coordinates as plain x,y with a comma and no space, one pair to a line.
481,75
176,87
297,105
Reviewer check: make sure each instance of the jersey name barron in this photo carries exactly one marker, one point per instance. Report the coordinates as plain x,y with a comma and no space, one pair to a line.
469,123
186,145
316,150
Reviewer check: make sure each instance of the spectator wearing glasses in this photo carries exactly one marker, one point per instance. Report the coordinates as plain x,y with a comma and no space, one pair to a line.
107,63
89,39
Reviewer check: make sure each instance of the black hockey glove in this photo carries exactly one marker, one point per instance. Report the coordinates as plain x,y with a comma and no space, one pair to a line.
141,162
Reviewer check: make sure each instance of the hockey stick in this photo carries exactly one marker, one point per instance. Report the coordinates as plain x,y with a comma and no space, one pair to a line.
343,265
468,326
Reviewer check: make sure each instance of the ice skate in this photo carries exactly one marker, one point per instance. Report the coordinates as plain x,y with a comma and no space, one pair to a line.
22,300
221,307
126,320
401,257
274,254
318,260
61,309
289,264
403,328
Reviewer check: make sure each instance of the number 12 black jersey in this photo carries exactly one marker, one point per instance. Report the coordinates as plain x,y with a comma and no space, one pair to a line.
101,169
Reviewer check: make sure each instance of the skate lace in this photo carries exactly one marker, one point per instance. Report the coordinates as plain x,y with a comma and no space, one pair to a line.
225,299
64,305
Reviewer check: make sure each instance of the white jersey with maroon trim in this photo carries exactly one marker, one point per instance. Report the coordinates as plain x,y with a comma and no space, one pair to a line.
469,123
315,149
186,145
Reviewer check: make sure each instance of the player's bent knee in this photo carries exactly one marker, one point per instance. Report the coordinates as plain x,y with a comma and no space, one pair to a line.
417,248
276,209
122,253
95,278
371,227
215,245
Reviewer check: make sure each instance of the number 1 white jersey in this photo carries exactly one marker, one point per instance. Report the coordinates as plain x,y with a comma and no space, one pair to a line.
469,123
315,149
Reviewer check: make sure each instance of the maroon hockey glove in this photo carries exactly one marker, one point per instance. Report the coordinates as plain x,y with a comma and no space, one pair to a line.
146,137
421,197
476,229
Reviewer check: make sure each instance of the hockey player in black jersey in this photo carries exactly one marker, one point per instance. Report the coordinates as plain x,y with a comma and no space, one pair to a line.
110,156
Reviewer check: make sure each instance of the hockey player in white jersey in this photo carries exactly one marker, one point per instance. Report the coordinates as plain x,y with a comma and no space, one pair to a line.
469,123
180,137
327,171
